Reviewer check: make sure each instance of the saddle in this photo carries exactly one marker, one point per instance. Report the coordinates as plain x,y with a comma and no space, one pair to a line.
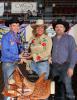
21,88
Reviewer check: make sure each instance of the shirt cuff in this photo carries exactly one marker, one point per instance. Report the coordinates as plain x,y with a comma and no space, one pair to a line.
72,66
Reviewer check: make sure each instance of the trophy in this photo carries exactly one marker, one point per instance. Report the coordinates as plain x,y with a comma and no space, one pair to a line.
26,49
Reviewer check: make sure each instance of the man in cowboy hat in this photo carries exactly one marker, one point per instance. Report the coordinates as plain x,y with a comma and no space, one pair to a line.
63,59
40,45
9,49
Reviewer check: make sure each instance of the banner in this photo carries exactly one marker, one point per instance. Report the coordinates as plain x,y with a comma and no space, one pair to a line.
1,8
23,7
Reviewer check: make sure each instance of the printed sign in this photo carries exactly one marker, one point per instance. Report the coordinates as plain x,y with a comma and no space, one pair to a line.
23,7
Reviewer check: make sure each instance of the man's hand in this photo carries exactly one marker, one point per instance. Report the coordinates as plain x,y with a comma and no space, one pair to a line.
29,56
70,72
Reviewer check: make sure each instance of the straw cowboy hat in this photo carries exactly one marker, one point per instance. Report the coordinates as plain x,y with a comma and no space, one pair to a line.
64,23
12,20
39,22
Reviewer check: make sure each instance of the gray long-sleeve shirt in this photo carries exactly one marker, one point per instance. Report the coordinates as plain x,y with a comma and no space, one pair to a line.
64,50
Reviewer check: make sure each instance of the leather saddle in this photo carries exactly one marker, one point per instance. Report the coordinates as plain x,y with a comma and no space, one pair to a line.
21,88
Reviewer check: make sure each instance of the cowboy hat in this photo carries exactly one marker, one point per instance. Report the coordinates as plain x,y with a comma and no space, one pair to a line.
12,20
64,23
39,22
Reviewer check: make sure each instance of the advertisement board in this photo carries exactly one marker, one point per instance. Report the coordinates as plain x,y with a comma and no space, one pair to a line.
23,7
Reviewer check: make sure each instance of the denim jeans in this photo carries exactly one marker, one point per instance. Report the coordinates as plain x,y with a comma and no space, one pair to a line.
7,69
40,68
61,72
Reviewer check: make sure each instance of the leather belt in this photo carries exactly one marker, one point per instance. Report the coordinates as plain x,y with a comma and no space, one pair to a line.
57,64
42,61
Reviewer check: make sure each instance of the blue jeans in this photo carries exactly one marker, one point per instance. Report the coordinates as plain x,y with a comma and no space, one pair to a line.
40,68
7,69
61,71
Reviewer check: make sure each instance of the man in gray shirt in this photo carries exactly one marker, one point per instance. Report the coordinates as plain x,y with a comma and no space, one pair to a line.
63,58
